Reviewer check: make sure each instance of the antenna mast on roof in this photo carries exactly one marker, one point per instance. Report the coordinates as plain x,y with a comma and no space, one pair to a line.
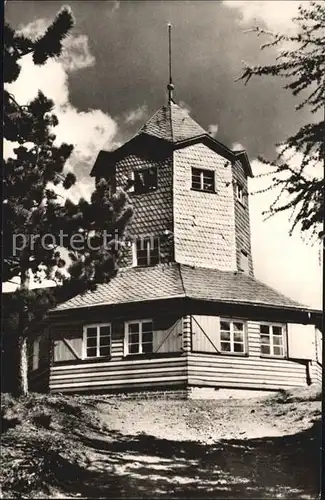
170,86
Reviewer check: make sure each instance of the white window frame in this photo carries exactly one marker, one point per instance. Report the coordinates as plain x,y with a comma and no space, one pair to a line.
84,342
232,352
284,340
135,255
239,190
126,336
202,171
132,177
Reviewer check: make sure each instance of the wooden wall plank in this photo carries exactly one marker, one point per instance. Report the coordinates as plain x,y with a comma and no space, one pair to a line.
243,372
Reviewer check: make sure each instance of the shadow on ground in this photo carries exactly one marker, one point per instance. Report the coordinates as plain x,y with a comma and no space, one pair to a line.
144,466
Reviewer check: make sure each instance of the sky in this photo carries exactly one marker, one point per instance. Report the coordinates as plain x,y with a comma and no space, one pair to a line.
112,77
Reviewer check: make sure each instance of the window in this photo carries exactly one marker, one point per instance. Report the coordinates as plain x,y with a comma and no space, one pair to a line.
232,336
203,180
244,264
144,180
239,190
97,339
147,251
271,338
138,338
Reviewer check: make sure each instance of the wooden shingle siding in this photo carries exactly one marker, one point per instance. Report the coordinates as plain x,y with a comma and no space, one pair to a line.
153,212
118,374
227,371
242,220
204,223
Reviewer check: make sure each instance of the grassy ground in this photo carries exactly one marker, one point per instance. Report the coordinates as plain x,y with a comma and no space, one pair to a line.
100,447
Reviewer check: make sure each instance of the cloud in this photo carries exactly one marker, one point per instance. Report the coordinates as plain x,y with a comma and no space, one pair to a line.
277,15
116,6
136,115
213,130
186,107
288,264
76,52
237,146
86,130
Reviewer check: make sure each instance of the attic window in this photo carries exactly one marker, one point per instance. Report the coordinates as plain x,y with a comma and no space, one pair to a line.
203,180
147,252
239,190
144,180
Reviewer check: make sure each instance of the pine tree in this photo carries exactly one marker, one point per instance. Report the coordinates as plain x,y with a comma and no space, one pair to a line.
301,63
33,213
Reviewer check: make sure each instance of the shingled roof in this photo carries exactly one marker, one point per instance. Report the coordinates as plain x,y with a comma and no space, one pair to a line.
172,123
133,285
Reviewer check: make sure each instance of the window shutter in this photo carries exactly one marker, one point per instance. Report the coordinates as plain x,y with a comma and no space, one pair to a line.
205,333
301,341
167,334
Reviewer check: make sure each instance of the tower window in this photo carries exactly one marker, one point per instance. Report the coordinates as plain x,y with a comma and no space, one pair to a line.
144,180
203,180
147,252
244,264
239,190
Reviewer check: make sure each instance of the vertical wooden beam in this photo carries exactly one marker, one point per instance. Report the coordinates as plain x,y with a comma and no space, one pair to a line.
187,333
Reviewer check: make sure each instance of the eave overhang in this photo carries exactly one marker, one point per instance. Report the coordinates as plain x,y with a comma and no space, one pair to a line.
107,159
191,305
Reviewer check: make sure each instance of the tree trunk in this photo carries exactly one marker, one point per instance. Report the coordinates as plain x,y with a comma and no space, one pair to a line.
22,382
22,388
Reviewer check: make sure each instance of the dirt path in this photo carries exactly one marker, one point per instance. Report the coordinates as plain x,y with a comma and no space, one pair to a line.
208,421
210,449
104,447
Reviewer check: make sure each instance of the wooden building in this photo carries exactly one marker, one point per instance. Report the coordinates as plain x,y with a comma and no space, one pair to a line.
185,310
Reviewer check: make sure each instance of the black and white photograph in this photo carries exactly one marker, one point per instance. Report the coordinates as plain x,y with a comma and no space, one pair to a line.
163,244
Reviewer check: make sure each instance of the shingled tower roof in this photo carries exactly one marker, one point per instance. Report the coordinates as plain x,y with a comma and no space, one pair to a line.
172,123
